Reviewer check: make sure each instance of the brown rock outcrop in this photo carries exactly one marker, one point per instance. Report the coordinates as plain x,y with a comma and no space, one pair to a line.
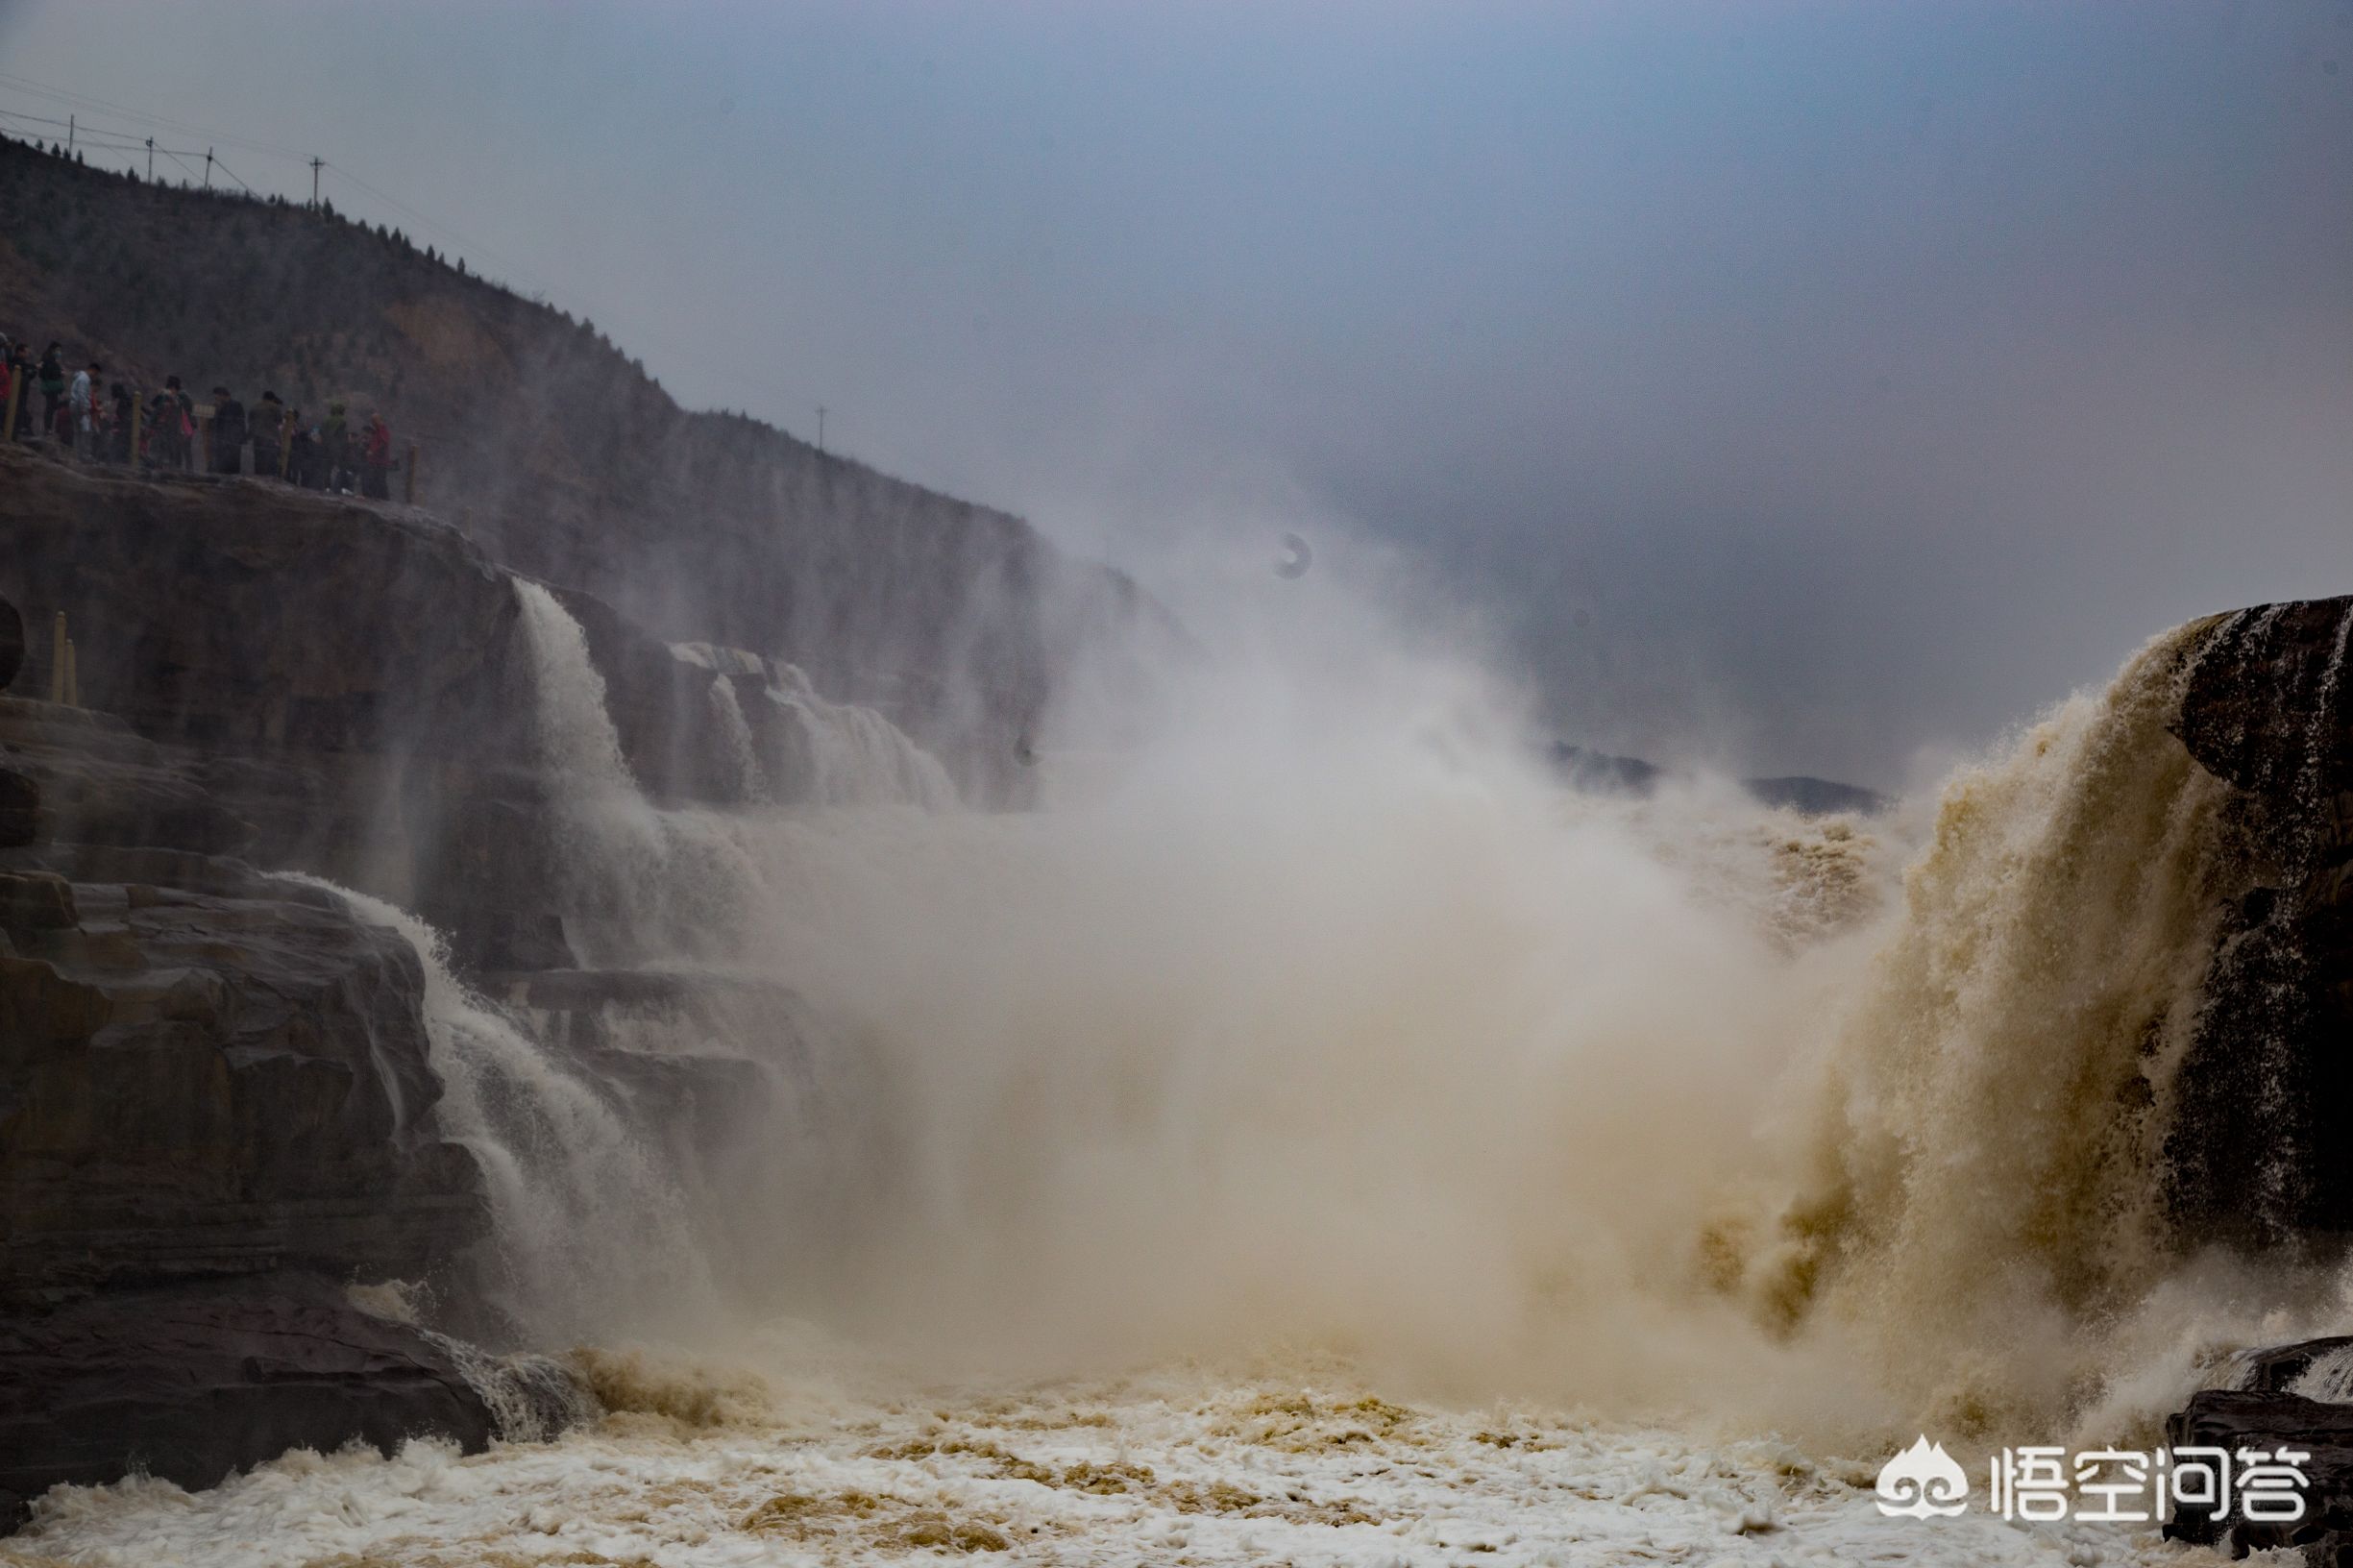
194,1383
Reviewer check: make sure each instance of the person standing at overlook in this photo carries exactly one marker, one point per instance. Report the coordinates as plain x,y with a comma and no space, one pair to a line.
19,375
375,458
228,431
268,424
172,421
119,432
53,385
335,436
304,466
83,400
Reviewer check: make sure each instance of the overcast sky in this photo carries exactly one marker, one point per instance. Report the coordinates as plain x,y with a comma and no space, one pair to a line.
1799,385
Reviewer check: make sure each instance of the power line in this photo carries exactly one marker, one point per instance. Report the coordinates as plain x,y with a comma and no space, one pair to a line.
113,140
445,232
43,90
140,145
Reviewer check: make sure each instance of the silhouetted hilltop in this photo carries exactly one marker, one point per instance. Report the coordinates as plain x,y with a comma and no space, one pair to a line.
1598,772
558,452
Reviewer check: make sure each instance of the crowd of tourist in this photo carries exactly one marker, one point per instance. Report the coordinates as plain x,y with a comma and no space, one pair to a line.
169,429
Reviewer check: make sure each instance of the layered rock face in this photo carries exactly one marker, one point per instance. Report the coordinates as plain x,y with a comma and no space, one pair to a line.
216,1082
2256,1152
218,1097
216,1102
329,687
190,1384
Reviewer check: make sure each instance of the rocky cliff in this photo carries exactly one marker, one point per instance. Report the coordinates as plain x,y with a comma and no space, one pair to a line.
2256,1150
563,459
219,1098
2256,1153
340,688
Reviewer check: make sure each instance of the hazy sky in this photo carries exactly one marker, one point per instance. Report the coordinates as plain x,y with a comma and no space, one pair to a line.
1802,385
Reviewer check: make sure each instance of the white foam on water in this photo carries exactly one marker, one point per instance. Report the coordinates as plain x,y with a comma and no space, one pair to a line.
1180,1465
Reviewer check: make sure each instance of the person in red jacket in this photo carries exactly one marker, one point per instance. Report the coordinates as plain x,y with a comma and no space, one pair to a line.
375,458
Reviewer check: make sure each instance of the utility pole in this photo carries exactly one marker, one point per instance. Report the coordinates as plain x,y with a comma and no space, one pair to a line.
69,136
316,163
207,168
821,430
151,160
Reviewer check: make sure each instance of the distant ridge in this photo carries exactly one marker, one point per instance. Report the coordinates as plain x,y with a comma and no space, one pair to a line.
1599,773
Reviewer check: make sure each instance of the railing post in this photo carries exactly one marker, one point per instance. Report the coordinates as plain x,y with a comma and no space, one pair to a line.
408,480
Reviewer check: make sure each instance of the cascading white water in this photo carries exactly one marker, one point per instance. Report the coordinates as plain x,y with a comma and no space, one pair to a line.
609,844
750,780
853,755
589,1233
577,737
2329,1378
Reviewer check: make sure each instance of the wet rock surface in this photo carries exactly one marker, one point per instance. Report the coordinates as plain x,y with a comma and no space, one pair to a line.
192,1383
2255,1154
313,683
2236,1420
204,1086
202,1083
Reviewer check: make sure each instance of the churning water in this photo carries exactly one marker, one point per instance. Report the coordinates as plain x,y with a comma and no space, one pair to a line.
1328,1141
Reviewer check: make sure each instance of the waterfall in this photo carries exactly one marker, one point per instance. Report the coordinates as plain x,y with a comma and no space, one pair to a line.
589,1233
1989,1162
607,842
575,729
834,753
852,755
751,780
634,883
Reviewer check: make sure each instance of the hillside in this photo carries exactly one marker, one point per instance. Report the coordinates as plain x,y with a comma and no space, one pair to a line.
558,453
